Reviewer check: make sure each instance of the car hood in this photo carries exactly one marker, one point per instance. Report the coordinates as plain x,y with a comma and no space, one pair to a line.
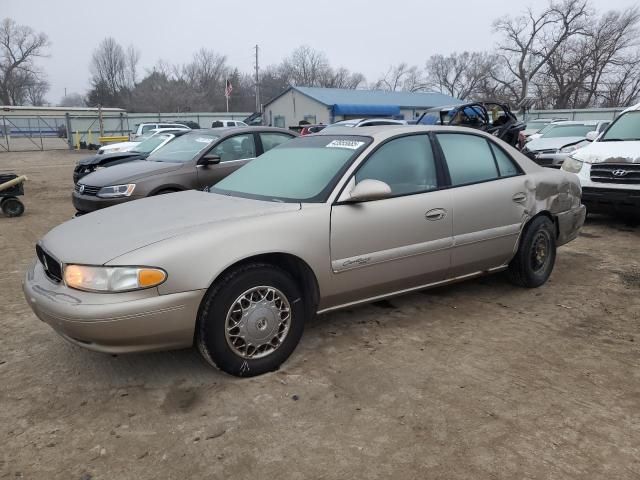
611,152
103,235
107,157
122,146
550,143
128,172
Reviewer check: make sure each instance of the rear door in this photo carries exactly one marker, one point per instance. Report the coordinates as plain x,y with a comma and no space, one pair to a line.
396,243
234,152
489,200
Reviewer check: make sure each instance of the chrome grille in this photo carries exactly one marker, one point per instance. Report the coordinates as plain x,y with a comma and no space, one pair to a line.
622,173
87,189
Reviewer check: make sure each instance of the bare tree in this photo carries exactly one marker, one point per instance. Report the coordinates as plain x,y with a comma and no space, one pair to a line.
530,40
306,67
401,77
20,46
132,59
462,75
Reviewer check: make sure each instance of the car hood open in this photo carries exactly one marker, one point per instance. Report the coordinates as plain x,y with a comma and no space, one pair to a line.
550,143
611,152
98,237
128,172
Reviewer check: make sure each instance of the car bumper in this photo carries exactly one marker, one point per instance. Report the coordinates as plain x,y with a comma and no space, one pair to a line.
550,160
570,223
611,200
114,323
91,203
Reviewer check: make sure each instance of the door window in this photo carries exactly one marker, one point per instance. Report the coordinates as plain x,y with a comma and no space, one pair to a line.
505,164
239,147
272,140
406,164
278,121
468,157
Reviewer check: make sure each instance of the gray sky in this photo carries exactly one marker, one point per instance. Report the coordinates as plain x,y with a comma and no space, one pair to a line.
365,36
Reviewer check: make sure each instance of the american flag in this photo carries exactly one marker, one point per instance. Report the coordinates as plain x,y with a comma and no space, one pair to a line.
228,89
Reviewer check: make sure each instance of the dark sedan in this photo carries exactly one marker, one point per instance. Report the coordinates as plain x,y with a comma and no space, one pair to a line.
194,160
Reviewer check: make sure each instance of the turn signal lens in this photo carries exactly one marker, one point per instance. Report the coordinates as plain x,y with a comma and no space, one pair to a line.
150,277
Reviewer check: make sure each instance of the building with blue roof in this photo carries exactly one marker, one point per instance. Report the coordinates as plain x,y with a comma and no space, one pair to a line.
328,105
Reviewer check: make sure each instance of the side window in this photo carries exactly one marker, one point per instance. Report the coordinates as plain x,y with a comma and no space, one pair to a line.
406,164
505,163
272,140
278,121
146,128
468,157
239,147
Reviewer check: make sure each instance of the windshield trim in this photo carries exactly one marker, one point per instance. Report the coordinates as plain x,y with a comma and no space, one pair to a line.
324,195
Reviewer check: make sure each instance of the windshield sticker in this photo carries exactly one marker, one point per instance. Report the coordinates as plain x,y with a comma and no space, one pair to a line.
350,144
204,140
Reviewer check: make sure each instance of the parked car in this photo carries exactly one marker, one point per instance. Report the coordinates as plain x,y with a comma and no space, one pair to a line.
310,129
142,128
365,122
534,126
322,222
127,146
188,123
491,117
609,167
141,151
557,140
228,123
197,159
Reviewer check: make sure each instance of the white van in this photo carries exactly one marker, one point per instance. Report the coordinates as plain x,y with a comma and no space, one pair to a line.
228,123
143,128
609,167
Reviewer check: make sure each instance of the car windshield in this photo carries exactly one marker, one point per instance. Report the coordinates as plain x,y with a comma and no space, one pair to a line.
305,169
536,125
151,143
183,148
626,127
558,131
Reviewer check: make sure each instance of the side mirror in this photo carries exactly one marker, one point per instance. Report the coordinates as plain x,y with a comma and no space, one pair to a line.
591,136
209,159
369,190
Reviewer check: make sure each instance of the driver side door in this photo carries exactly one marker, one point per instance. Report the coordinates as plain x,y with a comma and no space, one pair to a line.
234,152
400,242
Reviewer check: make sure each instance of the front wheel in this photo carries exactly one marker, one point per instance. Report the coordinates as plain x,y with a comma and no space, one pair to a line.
251,320
536,255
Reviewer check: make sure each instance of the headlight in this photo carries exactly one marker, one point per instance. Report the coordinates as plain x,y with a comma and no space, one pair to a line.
112,279
571,165
115,191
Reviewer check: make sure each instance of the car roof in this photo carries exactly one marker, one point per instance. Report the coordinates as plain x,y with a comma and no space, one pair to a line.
227,131
381,132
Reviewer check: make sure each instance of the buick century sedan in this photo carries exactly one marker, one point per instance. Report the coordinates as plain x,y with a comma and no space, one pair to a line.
322,222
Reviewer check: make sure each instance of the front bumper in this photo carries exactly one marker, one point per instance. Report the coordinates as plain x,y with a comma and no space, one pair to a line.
91,203
570,223
611,200
128,322
551,160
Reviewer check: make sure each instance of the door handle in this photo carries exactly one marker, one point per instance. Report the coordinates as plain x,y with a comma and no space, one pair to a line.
435,214
519,197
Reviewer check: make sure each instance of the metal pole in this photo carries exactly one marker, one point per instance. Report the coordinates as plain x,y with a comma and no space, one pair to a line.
6,133
40,132
100,120
257,82
67,118
121,124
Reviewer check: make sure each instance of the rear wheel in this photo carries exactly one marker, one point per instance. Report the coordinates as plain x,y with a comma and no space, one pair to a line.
536,255
12,207
251,320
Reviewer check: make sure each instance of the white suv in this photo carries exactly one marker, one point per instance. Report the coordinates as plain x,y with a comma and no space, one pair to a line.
609,167
143,128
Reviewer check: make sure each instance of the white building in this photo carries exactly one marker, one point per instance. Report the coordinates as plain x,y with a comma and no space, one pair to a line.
329,105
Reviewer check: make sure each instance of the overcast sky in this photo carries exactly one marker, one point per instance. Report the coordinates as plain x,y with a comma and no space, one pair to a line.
363,35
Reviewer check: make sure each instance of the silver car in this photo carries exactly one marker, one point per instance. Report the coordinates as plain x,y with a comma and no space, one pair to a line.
319,223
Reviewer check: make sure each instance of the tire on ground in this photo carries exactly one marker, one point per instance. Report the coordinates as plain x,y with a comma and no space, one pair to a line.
212,322
538,238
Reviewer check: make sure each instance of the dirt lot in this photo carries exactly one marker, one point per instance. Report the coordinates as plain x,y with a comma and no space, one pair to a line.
478,380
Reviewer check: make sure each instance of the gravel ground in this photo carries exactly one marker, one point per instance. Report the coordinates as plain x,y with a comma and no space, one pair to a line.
472,381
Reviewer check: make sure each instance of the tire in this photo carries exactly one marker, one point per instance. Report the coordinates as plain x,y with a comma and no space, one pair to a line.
528,269
12,207
228,350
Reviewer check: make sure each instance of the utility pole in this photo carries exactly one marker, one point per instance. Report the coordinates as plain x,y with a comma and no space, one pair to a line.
257,81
